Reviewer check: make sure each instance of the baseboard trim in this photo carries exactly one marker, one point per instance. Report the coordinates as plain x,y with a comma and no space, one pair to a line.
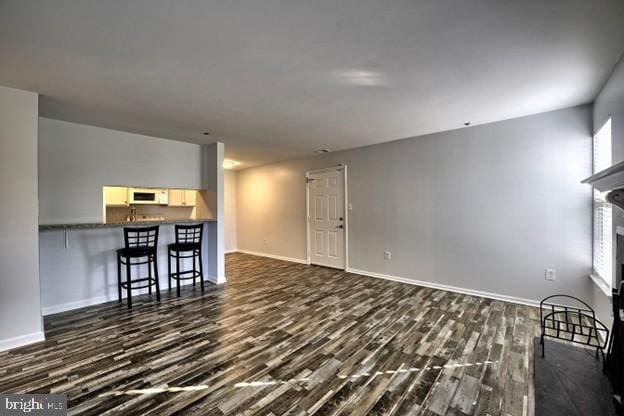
489,295
274,256
83,303
20,341
231,251
64,307
215,280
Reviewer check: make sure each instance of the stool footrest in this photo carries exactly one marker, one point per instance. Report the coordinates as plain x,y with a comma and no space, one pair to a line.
151,280
192,274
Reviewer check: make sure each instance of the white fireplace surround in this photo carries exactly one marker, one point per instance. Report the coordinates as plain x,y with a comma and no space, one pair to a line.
612,180
604,287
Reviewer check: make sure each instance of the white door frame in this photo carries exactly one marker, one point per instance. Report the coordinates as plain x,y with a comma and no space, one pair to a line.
343,169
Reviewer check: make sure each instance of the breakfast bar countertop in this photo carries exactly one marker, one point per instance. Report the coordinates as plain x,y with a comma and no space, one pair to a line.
88,225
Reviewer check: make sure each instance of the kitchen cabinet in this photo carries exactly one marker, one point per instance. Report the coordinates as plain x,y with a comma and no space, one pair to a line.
182,198
116,196
176,197
190,197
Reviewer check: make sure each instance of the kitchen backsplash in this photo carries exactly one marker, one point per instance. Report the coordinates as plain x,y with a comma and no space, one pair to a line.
145,212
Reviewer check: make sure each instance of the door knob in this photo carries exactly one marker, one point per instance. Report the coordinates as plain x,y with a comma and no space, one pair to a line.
340,226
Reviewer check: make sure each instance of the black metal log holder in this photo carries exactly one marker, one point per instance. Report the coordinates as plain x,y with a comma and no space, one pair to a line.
576,324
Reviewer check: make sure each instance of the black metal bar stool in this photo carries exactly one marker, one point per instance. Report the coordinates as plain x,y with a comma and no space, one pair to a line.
187,245
141,246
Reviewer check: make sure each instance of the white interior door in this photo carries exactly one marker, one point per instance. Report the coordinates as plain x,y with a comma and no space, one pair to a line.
326,218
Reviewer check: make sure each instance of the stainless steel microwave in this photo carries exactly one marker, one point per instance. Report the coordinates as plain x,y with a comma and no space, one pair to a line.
148,196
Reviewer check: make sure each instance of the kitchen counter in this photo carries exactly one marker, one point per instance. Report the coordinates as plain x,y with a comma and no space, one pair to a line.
82,226
78,261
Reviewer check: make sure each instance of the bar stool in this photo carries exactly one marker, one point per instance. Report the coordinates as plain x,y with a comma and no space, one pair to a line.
187,245
141,245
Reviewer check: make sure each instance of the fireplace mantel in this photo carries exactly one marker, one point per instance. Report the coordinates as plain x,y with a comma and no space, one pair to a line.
612,180
608,179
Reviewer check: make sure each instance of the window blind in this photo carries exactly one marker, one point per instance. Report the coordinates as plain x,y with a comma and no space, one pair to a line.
603,233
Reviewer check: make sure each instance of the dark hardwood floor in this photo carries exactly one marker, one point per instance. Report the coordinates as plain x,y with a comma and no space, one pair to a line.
286,339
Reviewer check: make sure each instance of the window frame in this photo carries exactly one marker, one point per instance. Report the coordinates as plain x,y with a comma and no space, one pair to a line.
600,207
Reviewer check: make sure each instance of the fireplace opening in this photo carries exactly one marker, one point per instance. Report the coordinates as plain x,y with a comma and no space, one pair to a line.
614,363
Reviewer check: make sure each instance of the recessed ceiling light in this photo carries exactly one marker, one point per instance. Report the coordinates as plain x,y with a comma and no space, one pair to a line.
230,164
361,78
321,151
467,123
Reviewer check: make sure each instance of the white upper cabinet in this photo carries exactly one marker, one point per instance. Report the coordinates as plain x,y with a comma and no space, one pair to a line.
116,196
190,197
182,198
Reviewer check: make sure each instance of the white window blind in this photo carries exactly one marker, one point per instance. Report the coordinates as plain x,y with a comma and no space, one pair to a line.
603,233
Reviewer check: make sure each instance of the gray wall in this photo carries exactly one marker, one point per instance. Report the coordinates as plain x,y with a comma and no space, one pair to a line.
485,208
212,181
76,160
610,102
230,178
20,309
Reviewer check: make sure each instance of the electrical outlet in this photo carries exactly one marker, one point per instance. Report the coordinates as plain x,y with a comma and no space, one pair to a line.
266,241
550,274
350,207
387,255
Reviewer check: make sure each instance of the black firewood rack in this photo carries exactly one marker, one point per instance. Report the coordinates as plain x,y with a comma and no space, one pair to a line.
576,324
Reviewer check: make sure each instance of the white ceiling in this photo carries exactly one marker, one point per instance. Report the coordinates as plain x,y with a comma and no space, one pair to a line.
276,79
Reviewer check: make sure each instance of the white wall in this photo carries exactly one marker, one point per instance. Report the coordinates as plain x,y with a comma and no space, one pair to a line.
610,103
485,208
20,309
230,210
76,160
